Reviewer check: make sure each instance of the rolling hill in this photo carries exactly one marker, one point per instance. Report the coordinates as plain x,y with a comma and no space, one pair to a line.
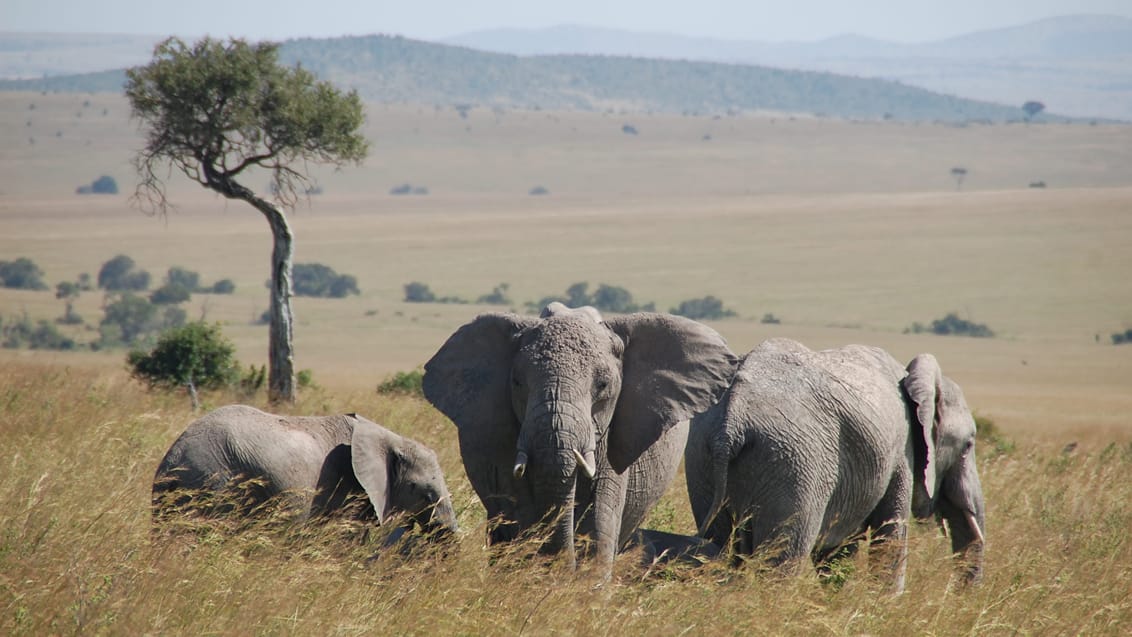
396,69
1078,65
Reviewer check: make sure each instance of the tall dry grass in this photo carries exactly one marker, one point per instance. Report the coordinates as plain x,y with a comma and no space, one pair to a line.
77,555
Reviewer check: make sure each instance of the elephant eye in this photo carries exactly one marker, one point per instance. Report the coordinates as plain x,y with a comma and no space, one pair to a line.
600,386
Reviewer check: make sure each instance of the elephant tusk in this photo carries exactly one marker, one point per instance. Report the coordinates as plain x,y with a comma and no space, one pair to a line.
586,465
520,465
974,524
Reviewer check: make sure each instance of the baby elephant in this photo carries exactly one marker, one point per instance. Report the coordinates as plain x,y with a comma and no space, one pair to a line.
315,464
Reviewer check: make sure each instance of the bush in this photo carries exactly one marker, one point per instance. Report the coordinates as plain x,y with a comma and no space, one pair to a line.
770,319
193,356
316,279
498,296
403,383
120,273
170,294
952,325
607,298
708,307
127,320
1120,338
987,433
538,191
38,335
408,189
185,278
629,129
417,292
104,185
223,286
21,274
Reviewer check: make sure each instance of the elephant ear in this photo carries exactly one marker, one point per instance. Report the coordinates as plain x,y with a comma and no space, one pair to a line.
672,368
371,458
468,379
923,385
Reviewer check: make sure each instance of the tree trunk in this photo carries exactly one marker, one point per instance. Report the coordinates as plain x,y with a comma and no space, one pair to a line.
280,351
192,388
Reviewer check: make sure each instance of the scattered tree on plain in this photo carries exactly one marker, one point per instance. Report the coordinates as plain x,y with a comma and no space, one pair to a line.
120,273
21,274
213,111
1032,108
959,173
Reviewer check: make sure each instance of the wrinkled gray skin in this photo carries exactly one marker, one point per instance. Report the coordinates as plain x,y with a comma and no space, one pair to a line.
817,447
540,403
316,464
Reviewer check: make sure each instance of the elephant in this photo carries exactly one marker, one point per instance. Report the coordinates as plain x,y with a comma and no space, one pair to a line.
808,450
573,420
316,466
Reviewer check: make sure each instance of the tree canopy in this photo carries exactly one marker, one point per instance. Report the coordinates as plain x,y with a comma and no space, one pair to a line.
214,110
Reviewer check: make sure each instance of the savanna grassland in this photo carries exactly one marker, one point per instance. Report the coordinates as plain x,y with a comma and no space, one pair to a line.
848,232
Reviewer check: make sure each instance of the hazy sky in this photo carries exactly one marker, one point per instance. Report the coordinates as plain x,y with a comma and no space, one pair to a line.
900,20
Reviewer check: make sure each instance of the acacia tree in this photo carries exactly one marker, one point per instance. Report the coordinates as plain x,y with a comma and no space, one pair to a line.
1032,108
218,111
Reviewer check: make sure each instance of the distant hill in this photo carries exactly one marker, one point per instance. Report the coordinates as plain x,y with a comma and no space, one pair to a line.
36,55
396,69
1078,65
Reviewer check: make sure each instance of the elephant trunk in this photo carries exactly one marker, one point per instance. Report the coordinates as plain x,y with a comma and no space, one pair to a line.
555,443
962,506
442,521
562,539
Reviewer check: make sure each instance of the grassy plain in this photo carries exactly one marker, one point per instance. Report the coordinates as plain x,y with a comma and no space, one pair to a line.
848,232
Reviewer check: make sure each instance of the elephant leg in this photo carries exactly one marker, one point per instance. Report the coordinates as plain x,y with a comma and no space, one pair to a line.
889,525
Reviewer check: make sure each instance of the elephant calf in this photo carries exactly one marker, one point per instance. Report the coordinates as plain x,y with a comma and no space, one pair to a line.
807,450
314,464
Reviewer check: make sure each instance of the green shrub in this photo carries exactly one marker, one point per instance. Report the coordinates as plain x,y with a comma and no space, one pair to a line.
120,273
251,381
304,378
988,434
185,278
41,334
403,383
127,319
192,356
316,279
21,274
104,185
1120,338
770,319
223,286
706,308
952,325
417,292
498,296
170,294
607,298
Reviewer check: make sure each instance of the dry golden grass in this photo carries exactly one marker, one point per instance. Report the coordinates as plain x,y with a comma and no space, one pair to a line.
848,232
79,448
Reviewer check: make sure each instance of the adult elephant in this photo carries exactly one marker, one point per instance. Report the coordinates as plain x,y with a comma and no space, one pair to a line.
237,457
807,450
574,419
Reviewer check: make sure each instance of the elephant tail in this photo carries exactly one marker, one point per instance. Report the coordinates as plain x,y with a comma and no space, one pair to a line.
720,459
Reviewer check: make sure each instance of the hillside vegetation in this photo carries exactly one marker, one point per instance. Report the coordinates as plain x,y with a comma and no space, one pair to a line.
396,69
